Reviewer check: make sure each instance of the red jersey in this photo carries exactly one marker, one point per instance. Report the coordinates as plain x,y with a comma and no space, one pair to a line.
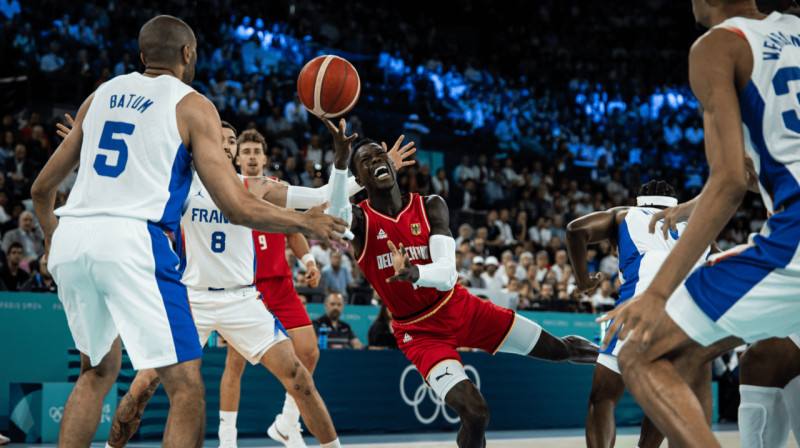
411,228
270,250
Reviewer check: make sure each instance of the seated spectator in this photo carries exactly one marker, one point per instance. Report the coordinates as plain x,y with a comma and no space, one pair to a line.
602,299
381,336
279,131
21,173
413,129
340,334
337,277
12,274
465,171
440,184
562,269
475,277
29,238
464,234
492,279
42,281
52,61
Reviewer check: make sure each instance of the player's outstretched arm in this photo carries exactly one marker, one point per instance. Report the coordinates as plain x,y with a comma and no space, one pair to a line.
198,123
590,229
441,273
63,162
297,197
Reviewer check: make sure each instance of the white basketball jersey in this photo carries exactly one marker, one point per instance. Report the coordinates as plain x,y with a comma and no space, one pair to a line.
216,254
635,240
770,105
133,163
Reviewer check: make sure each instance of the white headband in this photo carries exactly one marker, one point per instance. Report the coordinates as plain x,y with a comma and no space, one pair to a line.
664,201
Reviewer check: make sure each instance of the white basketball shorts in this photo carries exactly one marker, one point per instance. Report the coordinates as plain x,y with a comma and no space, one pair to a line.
118,276
749,291
240,316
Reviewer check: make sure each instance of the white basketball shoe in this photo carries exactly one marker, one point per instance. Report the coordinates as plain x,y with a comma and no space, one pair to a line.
292,437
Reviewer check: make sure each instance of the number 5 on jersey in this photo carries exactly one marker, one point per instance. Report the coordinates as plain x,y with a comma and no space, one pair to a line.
109,142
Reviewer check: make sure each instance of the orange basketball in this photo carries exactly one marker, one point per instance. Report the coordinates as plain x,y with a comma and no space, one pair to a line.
328,86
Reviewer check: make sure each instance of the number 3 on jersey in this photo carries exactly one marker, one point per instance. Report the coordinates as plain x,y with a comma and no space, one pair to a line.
109,143
218,242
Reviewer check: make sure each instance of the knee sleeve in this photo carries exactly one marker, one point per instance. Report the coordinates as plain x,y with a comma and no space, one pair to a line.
522,338
791,397
763,417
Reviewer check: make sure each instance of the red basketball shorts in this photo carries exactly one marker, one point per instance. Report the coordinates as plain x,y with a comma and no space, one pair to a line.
463,320
281,298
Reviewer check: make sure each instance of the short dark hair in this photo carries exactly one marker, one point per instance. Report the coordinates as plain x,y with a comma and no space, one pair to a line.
162,38
657,188
356,147
227,125
15,245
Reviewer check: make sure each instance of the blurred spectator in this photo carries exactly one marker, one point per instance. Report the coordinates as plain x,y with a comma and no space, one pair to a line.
29,238
12,274
475,277
10,9
380,334
279,130
561,268
340,334
440,184
52,62
21,172
42,281
492,279
464,172
335,276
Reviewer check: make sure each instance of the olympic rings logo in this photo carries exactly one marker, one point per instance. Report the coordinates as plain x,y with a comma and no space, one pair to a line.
56,413
424,391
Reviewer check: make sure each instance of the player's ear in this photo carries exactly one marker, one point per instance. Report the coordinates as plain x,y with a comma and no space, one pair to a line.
186,52
141,56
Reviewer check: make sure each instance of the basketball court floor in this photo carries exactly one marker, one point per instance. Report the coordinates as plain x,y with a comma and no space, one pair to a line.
727,434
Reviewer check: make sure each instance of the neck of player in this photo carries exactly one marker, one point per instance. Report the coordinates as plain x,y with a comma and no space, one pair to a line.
741,9
388,201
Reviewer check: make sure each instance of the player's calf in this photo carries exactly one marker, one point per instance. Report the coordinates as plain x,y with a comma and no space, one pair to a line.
470,406
129,411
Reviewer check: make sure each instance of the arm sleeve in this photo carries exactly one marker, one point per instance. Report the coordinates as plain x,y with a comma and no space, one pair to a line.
304,197
441,273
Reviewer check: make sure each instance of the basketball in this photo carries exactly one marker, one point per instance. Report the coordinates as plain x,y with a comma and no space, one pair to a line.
328,86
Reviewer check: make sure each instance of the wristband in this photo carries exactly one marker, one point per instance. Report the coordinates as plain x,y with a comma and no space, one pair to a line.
308,258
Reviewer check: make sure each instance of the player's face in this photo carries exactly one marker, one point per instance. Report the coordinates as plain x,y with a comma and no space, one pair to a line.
229,142
251,158
374,167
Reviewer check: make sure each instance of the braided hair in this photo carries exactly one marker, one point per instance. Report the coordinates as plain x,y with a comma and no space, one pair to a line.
657,188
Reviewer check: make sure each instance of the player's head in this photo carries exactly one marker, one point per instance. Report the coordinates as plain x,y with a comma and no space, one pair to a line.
371,165
703,9
229,139
656,193
252,154
167,42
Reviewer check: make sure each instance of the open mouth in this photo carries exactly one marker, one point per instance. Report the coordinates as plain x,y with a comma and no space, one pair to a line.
381,172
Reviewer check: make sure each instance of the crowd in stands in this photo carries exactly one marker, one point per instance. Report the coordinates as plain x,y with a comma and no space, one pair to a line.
554,124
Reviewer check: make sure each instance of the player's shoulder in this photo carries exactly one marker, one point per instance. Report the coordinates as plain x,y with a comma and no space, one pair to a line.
194,101
434,200
726,36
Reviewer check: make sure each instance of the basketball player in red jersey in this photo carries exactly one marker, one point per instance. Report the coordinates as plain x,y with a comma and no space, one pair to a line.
407,253
274,282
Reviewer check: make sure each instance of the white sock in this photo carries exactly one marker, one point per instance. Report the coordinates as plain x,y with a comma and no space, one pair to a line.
791,396
227,419
290,414
763,417
334,444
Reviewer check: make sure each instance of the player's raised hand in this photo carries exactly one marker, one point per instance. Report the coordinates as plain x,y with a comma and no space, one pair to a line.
324,227
400,154
404,271
341,142
63,130
312,275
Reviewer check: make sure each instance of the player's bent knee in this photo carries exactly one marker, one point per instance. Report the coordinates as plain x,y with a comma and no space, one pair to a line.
522,338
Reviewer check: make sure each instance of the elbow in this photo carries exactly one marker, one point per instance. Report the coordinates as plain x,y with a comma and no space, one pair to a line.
236,216
38,191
